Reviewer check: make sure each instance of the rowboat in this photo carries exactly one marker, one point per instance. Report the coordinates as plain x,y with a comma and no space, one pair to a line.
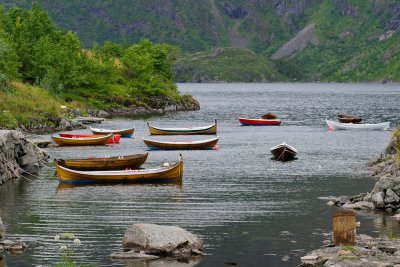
357,126
283,152
86,141
115,139
105,163
259,122
210,129
181,145
123,132
171,173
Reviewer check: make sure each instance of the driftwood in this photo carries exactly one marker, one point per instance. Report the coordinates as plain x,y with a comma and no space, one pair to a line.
269,116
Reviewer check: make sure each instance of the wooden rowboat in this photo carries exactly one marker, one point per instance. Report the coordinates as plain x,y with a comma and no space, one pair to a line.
164,174
181,145
259,122
86,141
115,139
283,152
358,126
123,132
210,129
106,163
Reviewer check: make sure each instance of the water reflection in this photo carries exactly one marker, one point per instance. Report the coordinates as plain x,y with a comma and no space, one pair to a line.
3,261
161,262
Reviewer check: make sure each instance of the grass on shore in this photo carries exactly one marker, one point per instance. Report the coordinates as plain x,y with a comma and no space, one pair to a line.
396,134
23,104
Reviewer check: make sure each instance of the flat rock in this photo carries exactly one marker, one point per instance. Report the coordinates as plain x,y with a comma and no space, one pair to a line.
362,205
133,255
171,241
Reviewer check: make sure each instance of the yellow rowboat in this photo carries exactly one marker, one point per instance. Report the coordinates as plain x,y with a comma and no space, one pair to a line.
181,145
81,141
123,132
210,129
172,173
106,163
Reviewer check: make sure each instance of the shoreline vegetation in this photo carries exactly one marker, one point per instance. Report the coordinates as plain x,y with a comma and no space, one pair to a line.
47,77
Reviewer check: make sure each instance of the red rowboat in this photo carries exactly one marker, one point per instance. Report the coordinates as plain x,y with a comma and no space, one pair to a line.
113,140
259,122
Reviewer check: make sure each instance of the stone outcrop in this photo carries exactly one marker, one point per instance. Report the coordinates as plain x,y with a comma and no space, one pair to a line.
367,252
13,246
157,240
158,104
2,229
18,155
305,37
386,193
53,125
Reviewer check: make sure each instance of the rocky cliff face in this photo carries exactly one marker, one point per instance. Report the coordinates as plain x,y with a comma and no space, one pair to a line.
18,155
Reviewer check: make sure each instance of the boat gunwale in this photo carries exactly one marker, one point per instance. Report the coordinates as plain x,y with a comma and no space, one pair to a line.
105,131
284,145
195,142
124,157
123,172
183,129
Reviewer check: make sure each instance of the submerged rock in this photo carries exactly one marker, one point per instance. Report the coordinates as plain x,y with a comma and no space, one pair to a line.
169,241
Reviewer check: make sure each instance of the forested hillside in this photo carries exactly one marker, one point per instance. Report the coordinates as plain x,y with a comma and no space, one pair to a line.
350,40
43,68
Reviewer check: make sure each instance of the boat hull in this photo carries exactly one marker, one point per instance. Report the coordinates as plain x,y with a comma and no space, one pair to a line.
159,145
358,126
99,164
212,129
259,122
173,173
86,141
125,133
115,139
283,152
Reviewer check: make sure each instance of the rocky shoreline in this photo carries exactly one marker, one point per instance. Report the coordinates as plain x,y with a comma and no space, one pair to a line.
367,252
386,192
18,155
156,105
385,196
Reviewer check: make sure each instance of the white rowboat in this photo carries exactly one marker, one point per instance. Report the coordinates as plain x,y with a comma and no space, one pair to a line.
283,152
358,126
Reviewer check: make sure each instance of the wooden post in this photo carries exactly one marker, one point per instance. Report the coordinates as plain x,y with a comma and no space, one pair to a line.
344,228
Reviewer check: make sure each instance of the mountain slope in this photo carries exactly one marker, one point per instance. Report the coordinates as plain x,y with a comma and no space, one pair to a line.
353,35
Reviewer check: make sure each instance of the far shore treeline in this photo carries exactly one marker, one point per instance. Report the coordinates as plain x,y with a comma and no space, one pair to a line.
43,68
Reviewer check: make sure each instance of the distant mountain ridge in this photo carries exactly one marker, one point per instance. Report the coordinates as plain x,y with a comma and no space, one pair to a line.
353,40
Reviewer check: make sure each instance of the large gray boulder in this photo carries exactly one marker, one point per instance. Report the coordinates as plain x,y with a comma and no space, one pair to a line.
169,241
2,229
18,155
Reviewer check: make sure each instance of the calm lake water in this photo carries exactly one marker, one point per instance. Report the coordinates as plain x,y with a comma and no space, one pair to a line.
247,208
